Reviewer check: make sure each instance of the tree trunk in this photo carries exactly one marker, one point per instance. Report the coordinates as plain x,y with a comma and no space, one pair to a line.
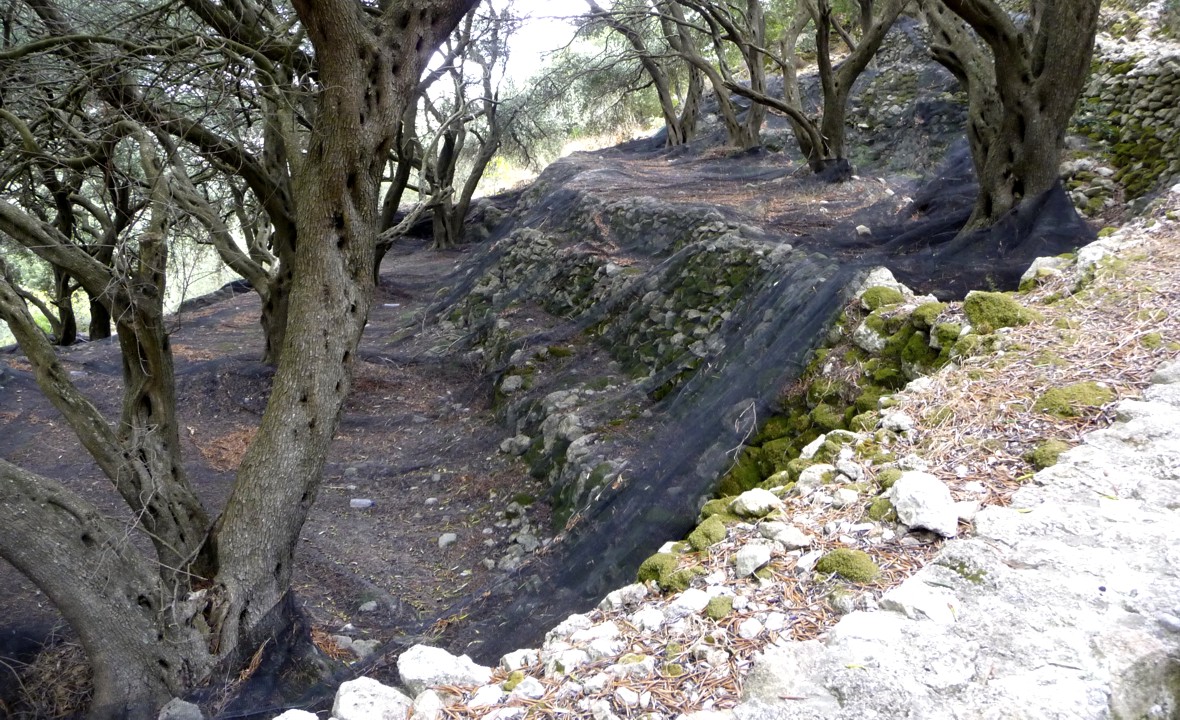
1038,72
155,627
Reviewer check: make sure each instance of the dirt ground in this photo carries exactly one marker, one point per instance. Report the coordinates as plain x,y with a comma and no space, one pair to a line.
416,439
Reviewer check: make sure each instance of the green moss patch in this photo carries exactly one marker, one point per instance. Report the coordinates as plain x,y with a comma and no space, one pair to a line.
710,532
880,296
926,315
887,477
1046,454
719,607
989,312
881,510
1074,400
854,565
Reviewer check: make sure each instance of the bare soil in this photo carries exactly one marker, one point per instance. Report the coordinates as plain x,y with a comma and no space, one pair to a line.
417,439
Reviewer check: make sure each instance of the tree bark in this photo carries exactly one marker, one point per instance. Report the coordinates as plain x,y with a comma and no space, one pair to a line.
155,626
1036,73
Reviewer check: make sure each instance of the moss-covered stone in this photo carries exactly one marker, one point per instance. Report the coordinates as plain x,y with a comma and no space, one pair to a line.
880,296
709,532
514,678
918,355
945,334
749,470
828,417
864,421
988,312
868,398
778,426
882,510
719,607
1074,400
797,466
680,580
657,566
926,315
887,477
672,670
1046,454
717,506
853,565
779,452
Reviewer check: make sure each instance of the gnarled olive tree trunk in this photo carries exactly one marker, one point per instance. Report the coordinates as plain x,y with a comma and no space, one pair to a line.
1022,97
155,625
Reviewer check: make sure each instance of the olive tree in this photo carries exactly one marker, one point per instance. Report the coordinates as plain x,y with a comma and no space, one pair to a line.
208,586
1023,77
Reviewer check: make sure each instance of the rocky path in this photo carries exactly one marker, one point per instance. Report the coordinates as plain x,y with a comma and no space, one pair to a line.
1061,600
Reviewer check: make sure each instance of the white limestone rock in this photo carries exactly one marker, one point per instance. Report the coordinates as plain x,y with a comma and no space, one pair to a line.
624,598
917,600
367,699
689,602
923,501
519,659
290,715
529,687
427,706
1167,374
751,557
868,339
815,476
422,667
486,697
786,536
756,503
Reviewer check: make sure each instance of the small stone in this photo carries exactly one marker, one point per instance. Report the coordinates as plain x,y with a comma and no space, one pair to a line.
367,607
289,715
519,659
529,687
423,666
486,696
427,706
360,503
516,446
689,602
625,597
511,384
627,696
898,422
366,698
749,629
751,557
845,497
446,540
648,619
365,648
921,500
178,709
431,501
787,536
1169,621
863,231
755,503
1167,374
